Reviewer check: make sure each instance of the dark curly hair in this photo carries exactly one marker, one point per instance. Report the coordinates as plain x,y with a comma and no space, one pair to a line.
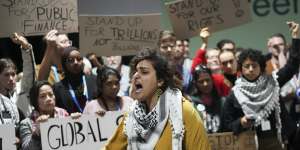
254,55
163,69
34,93
102,76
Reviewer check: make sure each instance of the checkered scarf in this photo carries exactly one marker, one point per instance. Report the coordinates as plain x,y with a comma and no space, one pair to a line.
144,122
258,99
144,130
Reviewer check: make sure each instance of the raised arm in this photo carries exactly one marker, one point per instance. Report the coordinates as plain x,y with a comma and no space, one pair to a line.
50,57
294,29
28,73
292,65
28,62
200,53
204,34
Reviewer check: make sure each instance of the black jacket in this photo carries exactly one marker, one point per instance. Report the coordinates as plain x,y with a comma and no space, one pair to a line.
63,97
232,111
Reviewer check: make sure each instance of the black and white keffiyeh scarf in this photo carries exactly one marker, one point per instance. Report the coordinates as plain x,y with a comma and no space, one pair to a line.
144,130
258,99
144,122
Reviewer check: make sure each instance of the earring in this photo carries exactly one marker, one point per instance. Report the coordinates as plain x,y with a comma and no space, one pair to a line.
158,92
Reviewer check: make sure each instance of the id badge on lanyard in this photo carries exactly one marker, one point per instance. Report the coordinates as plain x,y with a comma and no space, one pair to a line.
85,93
265,125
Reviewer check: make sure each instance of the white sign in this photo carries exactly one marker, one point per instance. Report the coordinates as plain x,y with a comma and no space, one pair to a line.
118,35
85,133
36,17
189,16
7,137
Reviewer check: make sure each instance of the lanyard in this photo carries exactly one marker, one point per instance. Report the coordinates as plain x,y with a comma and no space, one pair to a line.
85,93
54,69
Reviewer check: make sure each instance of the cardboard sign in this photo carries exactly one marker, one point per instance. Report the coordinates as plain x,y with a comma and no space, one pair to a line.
87,132
228,141
7,137
37,17
189,16
118,35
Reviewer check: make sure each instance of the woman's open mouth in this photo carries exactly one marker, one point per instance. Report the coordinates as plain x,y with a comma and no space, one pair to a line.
138,88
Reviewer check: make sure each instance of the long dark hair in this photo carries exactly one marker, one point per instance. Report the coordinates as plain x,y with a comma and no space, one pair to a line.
163,69
103,74
34,93
216,98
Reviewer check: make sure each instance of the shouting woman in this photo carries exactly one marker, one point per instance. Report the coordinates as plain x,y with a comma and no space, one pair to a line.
160,118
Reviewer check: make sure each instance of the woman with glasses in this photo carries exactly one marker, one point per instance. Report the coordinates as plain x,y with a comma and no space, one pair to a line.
76,89
207,97
254,102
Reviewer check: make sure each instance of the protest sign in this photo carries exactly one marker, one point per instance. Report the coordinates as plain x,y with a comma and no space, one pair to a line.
189,16
7,137
118,35
36,17
228,141
87,132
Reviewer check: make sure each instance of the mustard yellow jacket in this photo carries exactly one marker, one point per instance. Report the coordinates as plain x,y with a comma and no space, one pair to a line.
195,137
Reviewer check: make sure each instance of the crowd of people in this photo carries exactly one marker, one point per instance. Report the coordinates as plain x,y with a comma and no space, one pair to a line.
169,100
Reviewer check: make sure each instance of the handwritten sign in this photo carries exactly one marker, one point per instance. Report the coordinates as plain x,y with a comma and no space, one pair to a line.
36,17
228,141
87,132
7,137
118,35
189,16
